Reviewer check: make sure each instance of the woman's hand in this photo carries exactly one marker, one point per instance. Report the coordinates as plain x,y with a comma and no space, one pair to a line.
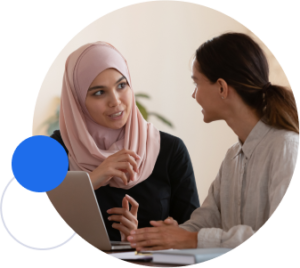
164,237
168,221
127,219
117,165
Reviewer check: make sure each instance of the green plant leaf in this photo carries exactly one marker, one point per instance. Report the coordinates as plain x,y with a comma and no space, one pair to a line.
52,126
142,95
161,118
142,110
49,121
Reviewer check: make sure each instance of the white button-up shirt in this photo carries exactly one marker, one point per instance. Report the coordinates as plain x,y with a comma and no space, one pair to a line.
250,184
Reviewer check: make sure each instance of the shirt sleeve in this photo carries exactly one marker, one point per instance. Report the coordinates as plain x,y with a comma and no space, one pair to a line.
184,195
206,220
282,168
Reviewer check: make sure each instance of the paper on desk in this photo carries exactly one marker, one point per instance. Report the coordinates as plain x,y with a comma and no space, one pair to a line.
130,256
151,251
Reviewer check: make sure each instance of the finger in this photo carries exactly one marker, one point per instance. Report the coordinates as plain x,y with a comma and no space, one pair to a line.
139,237
157,223
147,243
125,203
131,225
146,230
121,211
121,175
128,220
132,153
170,221
121,228
125,166
139,232
130,159
134,205
133,162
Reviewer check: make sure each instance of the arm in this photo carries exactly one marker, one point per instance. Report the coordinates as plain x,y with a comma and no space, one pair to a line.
283,162
207,222
167,234
282,169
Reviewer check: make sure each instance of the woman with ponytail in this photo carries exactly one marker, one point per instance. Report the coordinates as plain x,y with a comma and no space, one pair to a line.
231,77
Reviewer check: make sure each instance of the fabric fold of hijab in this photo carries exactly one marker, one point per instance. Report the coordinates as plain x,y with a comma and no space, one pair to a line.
89,143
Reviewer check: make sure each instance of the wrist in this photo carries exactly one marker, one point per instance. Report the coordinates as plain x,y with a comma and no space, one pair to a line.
94,181
194,240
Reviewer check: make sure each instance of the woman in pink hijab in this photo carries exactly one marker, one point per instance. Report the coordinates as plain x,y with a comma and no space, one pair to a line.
127,158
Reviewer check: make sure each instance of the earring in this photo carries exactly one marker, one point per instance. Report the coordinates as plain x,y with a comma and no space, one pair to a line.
222,98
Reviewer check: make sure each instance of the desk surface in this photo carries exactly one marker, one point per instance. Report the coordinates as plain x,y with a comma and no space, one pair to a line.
144,262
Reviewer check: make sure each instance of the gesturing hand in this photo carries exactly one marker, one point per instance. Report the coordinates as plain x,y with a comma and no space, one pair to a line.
115,165
164,237
127,219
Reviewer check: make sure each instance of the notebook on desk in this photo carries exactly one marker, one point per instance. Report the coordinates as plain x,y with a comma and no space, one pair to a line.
75,201
187,256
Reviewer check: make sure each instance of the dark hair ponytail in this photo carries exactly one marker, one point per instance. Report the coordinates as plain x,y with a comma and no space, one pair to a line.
237,59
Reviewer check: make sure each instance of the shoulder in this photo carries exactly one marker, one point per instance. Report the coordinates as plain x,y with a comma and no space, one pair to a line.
170,141
281,139
57,136
282,146
172,147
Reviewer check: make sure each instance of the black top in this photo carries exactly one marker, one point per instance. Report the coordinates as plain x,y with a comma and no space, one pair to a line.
169,191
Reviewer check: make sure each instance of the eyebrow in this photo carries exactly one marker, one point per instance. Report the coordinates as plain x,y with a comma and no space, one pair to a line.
194,77
97,87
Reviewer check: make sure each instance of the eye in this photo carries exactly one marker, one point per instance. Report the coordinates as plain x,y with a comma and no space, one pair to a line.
122,85
99,93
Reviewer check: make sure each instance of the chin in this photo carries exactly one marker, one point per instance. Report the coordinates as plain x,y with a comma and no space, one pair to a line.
207,119
116,126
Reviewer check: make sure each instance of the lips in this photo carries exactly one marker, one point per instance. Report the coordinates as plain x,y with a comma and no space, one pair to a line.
116,114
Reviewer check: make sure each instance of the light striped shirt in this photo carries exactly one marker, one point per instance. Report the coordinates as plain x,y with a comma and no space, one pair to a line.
250,184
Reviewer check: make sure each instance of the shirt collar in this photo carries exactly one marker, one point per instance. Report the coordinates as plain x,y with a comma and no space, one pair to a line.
253,139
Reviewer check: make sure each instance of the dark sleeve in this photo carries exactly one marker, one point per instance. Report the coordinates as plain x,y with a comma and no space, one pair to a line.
56,135
184,197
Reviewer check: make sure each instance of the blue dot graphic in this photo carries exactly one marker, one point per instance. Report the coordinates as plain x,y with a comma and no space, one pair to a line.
40,163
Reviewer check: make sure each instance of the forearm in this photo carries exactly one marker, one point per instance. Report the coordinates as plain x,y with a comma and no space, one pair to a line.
215,237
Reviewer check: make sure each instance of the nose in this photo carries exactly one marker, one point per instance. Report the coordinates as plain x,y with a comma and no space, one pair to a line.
114,99
194,93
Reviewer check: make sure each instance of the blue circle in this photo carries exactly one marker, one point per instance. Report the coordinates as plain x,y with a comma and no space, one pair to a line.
40,163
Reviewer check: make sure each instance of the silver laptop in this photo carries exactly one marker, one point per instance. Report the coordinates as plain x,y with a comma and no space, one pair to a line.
75,201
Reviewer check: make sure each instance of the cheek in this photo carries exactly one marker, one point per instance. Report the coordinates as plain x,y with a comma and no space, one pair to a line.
127,98
94,106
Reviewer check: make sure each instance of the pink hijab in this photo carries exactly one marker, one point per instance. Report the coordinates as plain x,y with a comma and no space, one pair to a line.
89,143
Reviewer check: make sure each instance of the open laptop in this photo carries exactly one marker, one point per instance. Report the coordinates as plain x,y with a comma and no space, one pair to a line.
75,201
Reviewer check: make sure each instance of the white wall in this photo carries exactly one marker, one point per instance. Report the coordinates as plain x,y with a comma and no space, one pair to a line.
159,39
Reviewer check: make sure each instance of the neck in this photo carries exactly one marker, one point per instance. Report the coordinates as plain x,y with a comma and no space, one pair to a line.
242,121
